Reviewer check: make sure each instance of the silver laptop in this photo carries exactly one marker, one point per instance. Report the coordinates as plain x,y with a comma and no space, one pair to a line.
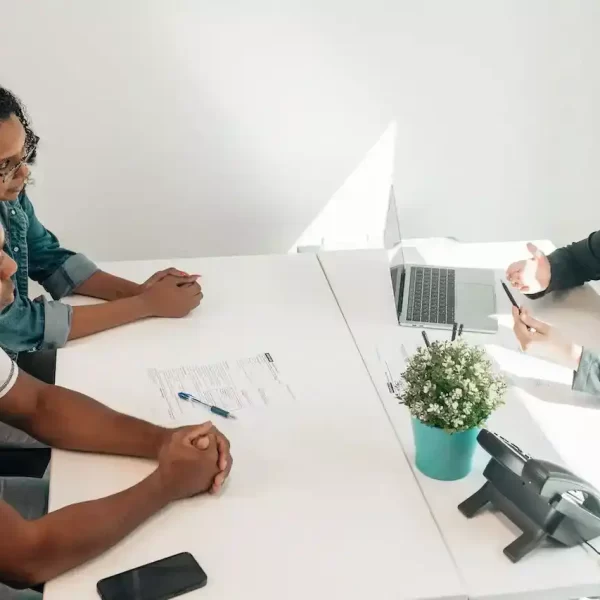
438,297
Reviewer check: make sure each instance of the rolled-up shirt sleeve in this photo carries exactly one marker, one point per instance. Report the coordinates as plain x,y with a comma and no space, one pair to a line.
587,376
39,324
69,276
59,270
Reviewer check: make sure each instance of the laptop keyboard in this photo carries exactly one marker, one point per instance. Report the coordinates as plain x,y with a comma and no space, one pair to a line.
431,295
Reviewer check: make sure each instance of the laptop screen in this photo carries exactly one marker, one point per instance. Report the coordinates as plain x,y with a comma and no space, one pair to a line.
398,271
398,278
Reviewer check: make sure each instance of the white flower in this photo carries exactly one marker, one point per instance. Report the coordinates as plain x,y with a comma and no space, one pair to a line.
475,390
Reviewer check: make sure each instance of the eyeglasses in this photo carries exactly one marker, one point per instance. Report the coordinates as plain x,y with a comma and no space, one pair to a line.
7,172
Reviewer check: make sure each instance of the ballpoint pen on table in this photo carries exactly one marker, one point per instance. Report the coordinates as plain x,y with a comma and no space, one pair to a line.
425,338
214,409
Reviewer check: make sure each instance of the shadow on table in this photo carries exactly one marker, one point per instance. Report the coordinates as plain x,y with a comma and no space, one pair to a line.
555,393
575,312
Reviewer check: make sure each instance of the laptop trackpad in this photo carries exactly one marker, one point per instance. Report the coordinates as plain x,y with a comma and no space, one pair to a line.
475,304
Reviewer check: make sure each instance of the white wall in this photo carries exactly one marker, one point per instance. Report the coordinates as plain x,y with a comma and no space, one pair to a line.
193,127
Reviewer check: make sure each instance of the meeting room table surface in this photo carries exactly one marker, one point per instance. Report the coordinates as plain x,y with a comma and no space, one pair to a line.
323,499
541,414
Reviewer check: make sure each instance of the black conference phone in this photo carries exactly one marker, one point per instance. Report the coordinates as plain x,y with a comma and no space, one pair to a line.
544,500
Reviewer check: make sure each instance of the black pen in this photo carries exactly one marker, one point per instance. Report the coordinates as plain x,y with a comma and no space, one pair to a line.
454,330
510,296
513,301
425,338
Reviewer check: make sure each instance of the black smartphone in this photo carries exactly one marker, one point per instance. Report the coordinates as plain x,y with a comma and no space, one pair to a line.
160,580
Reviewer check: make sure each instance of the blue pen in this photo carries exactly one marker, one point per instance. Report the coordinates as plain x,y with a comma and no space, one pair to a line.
214,409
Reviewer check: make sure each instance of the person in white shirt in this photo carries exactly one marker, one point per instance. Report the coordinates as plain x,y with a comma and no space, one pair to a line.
36,547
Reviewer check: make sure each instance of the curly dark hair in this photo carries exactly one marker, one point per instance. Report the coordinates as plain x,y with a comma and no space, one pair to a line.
11,105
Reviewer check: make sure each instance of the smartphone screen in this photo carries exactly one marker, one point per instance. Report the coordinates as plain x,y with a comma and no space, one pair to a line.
159,580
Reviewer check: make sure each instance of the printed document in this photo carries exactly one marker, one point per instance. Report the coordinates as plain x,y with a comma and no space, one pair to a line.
230,384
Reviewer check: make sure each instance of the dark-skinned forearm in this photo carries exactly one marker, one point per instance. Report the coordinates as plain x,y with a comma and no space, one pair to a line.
75,534
87,320
108,287
69,420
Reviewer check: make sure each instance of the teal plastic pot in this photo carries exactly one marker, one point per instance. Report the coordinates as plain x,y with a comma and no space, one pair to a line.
443,455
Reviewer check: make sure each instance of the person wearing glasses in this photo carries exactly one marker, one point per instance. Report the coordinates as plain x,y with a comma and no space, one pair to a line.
538,275
27,325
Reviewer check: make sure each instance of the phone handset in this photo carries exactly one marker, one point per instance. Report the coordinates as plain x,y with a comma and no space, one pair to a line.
551,480
544,500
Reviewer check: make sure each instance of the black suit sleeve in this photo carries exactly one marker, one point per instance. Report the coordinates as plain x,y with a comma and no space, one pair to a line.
574,264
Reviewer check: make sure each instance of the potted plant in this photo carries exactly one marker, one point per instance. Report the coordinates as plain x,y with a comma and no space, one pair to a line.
450,389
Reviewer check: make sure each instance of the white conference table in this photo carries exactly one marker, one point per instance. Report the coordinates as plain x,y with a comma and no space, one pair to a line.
546,420
321,502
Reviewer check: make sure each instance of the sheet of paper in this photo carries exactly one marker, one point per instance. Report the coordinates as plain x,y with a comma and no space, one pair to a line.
393,362
230,384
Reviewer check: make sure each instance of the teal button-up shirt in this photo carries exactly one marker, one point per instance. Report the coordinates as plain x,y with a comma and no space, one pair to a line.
26,324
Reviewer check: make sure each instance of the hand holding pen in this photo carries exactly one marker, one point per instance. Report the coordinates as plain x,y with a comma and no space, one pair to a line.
514,302
531,331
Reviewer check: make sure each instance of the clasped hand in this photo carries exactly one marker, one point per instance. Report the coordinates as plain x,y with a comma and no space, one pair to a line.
171,293
193,460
